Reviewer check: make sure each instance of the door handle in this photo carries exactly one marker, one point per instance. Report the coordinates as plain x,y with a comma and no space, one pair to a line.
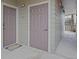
3,27
45,29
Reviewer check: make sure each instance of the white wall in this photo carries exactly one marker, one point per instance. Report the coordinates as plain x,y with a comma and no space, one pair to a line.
23,25
70,6
56,27
52,25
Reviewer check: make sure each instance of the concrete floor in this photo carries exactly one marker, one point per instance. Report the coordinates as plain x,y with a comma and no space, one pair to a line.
67,49
68,46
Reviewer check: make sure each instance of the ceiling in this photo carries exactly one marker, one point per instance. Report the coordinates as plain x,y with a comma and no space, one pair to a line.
70,6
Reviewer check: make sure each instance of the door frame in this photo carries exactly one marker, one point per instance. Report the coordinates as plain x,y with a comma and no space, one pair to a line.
14,7
31,5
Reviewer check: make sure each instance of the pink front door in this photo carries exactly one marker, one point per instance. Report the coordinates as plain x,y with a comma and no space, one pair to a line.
39,26
9,26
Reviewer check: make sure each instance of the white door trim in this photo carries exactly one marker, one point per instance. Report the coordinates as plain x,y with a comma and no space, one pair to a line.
11,6
49,41
31,5
36,4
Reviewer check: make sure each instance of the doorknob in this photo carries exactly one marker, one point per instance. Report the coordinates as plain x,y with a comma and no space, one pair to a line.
45,29
3,27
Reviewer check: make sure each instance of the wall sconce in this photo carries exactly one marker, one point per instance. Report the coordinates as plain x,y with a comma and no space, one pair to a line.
21,5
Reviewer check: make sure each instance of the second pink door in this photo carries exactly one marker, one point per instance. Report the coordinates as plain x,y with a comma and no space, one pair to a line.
39,26
9,26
